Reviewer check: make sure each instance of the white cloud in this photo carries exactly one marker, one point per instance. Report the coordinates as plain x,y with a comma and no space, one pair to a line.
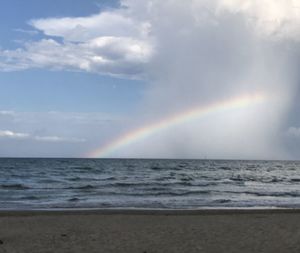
269,18
16,135
7,113
82,29
56,133
58,139
197,52
117,56
110,43
212,50
280,18
13,135
122,41
29,32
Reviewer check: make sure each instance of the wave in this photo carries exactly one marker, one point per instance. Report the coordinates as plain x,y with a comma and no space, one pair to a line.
74,179
179,183
109,178
178,193
14,186
156,192
237,178
30,198
276,194
222,201
73,199
240,178
83,168
156,168
295,180
266,194
182,165
224,168
173,184
83,187
49,181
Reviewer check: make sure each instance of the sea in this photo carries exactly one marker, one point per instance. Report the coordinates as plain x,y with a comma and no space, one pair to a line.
141,183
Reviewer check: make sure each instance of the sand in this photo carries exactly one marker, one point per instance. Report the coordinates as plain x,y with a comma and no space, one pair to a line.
150,231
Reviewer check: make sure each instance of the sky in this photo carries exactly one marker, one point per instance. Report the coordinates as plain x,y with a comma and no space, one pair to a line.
213,79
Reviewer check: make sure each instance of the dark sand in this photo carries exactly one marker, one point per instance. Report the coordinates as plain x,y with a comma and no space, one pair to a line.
150,231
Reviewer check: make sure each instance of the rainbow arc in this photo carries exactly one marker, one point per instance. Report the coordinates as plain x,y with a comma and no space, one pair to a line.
146,131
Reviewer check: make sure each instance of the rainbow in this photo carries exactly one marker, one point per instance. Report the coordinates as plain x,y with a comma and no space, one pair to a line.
179,118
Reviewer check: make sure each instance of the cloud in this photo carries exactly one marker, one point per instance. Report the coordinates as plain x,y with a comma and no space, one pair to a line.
210,51
55,133
193,53
58,139
280,19
29,32
7,113
13,135
293,132
82,29
107,55
121,42
21,136
109,43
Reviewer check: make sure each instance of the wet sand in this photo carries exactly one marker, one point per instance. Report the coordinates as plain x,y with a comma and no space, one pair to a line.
150,231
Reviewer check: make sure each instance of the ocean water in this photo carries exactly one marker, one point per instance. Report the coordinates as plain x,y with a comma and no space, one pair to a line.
134,183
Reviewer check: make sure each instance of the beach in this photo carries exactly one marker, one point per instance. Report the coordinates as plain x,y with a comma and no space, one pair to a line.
151,231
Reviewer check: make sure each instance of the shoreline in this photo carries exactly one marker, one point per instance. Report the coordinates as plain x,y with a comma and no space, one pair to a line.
146,211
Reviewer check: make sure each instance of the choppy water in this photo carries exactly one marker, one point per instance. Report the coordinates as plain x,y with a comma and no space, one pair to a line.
126,183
